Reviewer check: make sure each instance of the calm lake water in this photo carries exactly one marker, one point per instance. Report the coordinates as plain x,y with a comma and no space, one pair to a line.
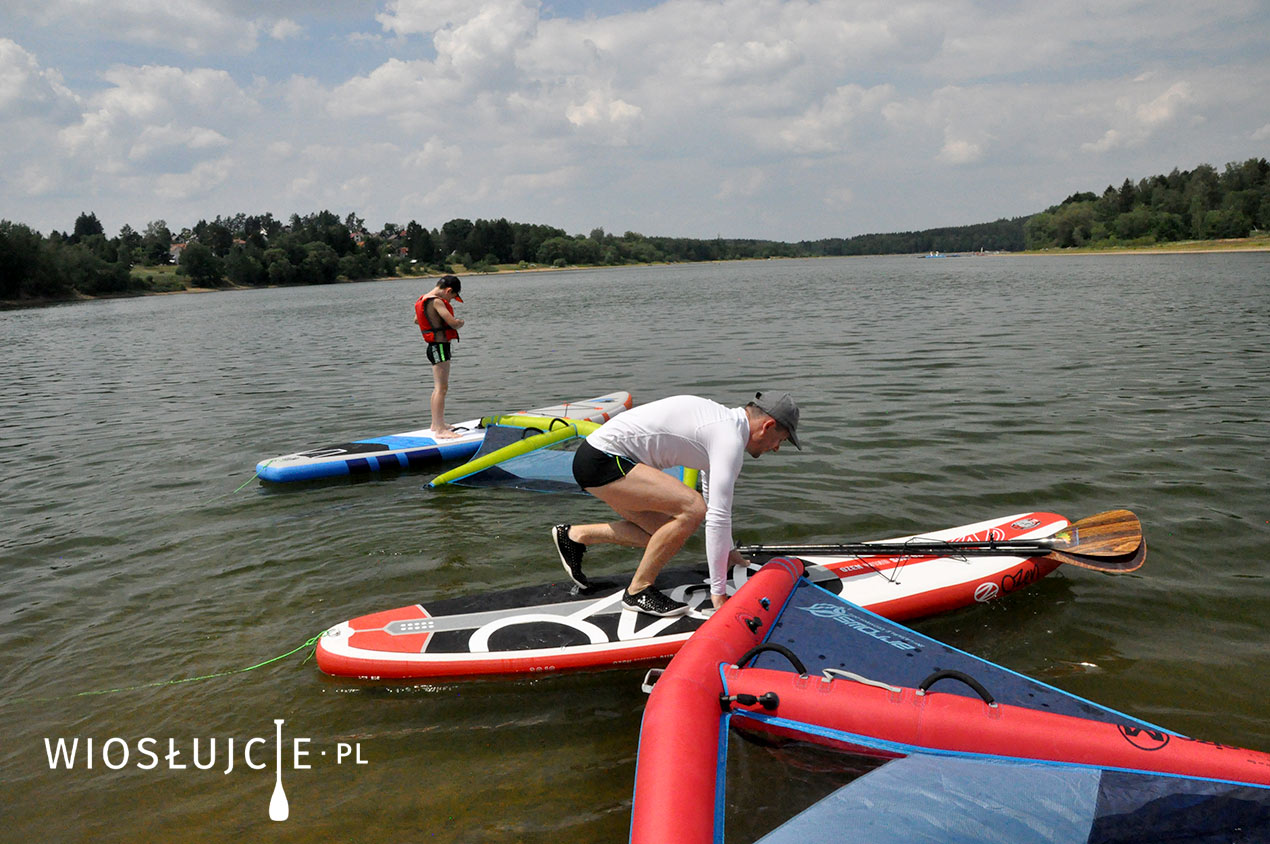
137,549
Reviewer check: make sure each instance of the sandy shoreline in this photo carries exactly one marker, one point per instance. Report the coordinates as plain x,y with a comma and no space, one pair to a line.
1185,247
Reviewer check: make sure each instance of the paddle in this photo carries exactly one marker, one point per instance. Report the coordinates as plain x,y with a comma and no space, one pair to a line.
1110,541
279,808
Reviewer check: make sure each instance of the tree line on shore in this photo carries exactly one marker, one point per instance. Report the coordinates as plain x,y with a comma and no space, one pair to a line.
1199,204
322,248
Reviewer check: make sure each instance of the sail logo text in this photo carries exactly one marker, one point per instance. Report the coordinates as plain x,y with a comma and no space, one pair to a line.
842,615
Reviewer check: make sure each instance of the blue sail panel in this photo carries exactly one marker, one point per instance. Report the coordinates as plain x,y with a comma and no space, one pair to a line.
530,459
923,799
952,799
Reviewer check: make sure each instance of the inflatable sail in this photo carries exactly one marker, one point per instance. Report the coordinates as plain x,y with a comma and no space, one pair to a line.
536,457
895,737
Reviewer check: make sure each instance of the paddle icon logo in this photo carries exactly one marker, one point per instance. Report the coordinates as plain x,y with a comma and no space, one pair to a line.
279,808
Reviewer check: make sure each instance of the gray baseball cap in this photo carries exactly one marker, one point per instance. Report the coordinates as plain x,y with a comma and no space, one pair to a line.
781,407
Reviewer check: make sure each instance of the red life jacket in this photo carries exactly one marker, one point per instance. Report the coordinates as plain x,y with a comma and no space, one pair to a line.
442,333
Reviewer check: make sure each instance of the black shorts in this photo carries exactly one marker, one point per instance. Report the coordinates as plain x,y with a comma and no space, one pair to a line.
592,467
438,353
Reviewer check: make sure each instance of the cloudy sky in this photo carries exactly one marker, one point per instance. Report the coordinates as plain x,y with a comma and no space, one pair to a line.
783,119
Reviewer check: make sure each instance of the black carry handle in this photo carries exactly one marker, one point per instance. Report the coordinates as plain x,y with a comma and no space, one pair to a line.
957,675
775,648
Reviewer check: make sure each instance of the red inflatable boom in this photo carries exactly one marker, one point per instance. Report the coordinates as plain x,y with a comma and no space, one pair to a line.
680,739
938,721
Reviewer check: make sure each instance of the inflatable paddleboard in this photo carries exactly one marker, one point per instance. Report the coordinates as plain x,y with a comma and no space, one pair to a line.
554,628
415,449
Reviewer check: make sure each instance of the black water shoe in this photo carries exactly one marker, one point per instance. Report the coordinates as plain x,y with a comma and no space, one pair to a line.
653,602
570,554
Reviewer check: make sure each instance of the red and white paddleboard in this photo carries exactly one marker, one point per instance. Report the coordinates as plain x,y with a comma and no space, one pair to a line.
555,628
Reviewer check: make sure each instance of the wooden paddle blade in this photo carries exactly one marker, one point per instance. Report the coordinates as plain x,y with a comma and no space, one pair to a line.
1121,564
1115,533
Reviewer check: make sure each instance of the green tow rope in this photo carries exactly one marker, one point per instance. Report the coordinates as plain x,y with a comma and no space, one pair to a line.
249,480
162,683
307,644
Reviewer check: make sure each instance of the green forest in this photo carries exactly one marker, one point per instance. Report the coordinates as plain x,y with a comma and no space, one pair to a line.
323,248
1200,204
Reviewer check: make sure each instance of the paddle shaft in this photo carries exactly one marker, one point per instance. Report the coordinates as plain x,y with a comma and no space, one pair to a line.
907,549
1110,541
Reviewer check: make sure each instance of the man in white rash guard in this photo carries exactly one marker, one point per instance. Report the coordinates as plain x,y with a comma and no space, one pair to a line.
621,464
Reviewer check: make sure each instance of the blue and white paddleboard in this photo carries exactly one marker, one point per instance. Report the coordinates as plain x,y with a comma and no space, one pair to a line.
415,449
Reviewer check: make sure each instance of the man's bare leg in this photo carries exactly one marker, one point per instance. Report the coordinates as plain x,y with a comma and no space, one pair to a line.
658,513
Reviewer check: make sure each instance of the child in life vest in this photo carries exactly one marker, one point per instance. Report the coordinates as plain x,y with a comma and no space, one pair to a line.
435,317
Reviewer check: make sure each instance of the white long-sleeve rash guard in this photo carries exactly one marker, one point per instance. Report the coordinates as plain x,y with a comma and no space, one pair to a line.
693,432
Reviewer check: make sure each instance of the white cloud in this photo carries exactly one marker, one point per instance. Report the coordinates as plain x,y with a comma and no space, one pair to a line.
28,90
397,86
484,45
285,28
195,26
1078,38
745,183
434,154
153,110
424,17
153,141
35,105
750,61
197,182
825,126
1165,107
552,180
600,109
959,151
839,197
1136,121
36,179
